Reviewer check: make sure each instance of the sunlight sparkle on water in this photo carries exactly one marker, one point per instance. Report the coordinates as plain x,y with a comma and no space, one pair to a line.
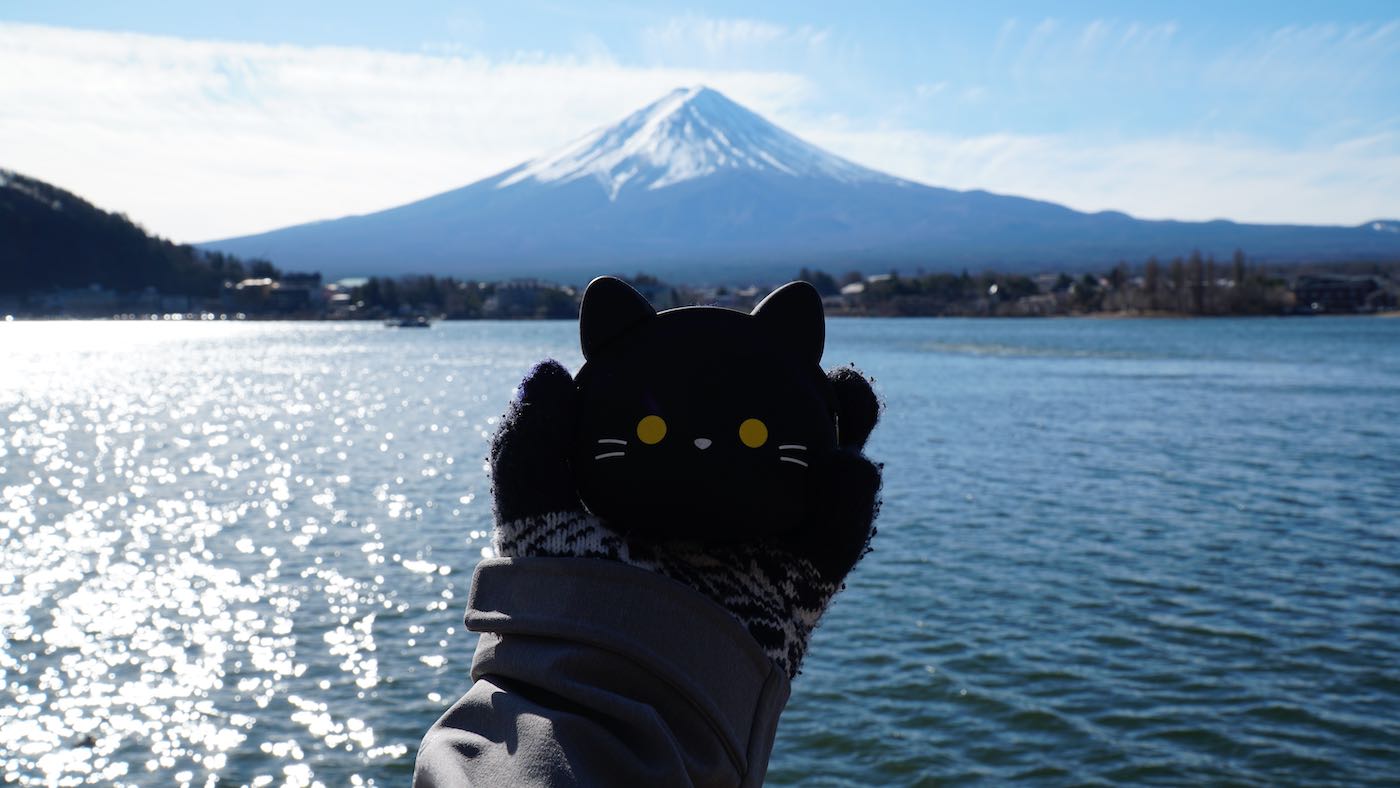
193,586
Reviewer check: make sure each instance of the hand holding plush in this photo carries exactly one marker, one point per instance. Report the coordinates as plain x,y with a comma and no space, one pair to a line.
701,443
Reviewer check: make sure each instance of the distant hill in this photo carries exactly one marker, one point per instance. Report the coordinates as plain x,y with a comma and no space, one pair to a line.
53,239
697,188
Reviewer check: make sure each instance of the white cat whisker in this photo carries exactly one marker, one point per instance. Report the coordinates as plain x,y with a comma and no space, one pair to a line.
794,459
606,455
618,441
795,446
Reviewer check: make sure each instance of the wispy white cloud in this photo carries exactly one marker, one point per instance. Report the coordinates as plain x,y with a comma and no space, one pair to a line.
202,139
1052,50
1094,32
1308,58
930,89
1295,60
1161,178
715,38
1005,34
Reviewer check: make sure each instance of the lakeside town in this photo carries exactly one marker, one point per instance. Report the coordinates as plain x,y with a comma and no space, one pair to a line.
1183,286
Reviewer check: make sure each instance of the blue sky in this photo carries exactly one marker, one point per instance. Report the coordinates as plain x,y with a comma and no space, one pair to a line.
203,120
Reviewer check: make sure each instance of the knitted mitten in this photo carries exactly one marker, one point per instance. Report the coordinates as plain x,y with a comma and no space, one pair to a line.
777,585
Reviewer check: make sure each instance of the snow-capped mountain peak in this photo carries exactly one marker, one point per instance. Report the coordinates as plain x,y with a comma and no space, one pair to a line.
698,188
690,133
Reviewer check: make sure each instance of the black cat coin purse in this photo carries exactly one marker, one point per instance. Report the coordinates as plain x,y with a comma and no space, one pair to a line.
701,422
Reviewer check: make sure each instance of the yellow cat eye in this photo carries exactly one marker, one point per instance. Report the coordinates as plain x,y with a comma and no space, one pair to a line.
651,429
753,433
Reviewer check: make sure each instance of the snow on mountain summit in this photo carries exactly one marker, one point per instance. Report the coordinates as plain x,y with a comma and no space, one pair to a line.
690,133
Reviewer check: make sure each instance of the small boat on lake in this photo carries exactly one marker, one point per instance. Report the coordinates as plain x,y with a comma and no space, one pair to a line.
409,322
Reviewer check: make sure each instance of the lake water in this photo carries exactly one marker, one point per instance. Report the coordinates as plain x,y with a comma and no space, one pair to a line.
1110,551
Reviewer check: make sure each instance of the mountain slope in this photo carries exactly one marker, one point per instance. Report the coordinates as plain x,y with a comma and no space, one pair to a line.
697,187
51,238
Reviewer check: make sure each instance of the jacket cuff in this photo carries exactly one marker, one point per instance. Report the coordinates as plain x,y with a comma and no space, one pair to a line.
667,629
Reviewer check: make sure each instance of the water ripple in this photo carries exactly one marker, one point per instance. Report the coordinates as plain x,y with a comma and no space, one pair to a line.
1110,551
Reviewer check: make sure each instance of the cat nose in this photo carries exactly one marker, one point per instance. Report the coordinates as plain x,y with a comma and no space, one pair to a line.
702,443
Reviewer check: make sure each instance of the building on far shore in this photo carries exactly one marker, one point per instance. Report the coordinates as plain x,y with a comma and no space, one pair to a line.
290,294
1339,293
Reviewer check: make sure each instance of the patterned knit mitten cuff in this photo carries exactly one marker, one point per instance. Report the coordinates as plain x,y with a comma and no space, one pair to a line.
777,595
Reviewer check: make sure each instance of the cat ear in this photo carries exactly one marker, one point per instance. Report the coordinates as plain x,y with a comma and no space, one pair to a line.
794,314
610,307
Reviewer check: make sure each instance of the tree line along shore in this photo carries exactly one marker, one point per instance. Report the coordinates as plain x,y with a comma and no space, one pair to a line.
1193,285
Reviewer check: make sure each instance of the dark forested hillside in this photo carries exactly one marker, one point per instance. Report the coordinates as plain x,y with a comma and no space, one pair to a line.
52,239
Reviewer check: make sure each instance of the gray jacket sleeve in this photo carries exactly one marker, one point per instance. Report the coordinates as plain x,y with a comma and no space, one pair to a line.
592,672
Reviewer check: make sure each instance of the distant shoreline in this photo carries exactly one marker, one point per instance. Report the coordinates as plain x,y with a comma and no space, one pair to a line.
185,318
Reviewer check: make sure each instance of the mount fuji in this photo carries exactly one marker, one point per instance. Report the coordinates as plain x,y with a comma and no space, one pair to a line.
697,188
